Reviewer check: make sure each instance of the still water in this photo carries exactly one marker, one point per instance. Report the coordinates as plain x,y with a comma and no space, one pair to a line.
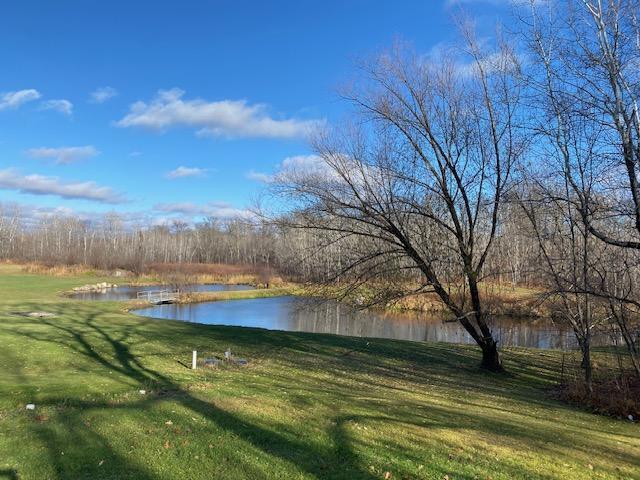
296,314
130,293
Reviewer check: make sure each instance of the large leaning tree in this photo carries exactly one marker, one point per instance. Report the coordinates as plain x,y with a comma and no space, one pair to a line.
414,184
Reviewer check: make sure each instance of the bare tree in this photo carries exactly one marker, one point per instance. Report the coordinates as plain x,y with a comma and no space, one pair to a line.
586,84
421,179
568,262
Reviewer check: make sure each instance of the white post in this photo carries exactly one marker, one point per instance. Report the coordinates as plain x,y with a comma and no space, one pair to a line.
194,359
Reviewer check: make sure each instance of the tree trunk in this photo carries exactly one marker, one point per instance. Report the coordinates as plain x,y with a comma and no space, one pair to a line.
585,347
491,357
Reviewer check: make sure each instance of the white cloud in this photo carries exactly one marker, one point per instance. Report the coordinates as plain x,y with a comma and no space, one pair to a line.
302,165
15,99
62,106
305,166
230,118
492,63
42,185
259,176
182,172
64,155
307,163
102,94
212,209
31,214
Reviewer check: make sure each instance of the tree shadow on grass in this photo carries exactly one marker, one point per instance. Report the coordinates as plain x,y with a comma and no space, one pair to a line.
408,367
119,359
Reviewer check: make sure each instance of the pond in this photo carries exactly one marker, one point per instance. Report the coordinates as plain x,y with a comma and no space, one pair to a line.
131,292
297,314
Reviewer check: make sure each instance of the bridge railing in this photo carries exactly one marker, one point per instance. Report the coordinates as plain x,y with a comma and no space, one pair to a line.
158,296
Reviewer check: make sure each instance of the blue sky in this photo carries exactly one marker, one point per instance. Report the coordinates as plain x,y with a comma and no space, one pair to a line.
170,108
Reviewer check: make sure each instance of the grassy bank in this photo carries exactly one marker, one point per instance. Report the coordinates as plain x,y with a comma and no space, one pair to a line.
306,406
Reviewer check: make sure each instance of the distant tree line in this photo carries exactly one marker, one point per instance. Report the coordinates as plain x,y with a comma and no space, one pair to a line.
110,243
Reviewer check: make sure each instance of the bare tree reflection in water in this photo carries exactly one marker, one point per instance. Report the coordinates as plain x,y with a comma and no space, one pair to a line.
327,316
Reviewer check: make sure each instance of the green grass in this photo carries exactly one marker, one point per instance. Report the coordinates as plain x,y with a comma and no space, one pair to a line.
307,406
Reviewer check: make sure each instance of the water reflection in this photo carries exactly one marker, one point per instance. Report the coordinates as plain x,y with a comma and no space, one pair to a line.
321,316
130,293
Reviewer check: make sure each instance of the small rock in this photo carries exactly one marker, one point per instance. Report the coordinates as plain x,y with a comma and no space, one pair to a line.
31,406
40,315
630,417
168,422
142,392
242,362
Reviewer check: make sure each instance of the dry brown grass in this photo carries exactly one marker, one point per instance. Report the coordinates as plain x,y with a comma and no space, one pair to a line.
213,269
260,276
60,270
167,273
499,299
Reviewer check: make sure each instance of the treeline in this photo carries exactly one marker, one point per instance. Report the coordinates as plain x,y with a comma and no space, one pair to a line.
110,243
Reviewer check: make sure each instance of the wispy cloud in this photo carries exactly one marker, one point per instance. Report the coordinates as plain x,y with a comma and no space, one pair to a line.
295,165
64,155
17,98
60,105
230,118
35,184
102,94
259,176
182,172
212,209
30,214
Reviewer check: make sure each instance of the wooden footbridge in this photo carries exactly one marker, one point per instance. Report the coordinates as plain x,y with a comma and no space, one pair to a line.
158,297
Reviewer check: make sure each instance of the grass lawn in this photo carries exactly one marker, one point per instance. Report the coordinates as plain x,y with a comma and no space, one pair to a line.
306,406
